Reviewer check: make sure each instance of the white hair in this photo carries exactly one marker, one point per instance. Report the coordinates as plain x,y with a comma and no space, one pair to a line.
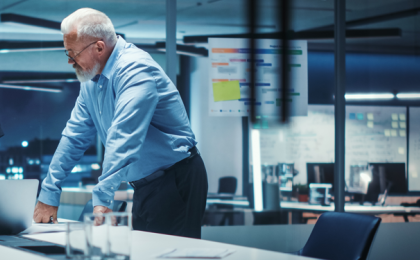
90,22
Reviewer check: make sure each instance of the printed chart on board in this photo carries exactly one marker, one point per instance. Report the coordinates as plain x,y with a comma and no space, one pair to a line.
229,91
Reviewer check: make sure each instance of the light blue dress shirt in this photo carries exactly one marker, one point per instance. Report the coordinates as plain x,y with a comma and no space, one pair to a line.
139,116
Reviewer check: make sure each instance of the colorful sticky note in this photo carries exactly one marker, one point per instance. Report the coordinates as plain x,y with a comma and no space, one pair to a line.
394,132
402,117
360,116
395,124
370,124
401,150
387,132
394,116
352,116
403,125
370,116
402,133
226,90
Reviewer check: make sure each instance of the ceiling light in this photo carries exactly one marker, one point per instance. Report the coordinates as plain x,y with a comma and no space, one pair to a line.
32,50
30,88
370,96
40,81
408,95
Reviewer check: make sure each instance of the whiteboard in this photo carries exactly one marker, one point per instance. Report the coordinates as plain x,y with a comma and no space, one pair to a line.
373,134
414,150
303,140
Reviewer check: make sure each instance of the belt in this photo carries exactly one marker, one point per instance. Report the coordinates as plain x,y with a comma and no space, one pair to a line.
143,181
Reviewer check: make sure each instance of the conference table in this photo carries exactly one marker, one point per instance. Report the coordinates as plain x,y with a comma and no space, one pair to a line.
145,245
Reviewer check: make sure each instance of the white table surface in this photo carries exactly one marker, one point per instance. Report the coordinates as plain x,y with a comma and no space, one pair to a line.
149,245
11,253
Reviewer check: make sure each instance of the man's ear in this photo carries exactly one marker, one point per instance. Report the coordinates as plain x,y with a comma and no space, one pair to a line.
100,47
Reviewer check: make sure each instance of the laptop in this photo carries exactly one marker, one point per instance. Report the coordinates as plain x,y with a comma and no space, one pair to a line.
17,204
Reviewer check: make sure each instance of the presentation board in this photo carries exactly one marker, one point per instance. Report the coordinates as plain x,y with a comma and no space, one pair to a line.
373,134
414,150
229,86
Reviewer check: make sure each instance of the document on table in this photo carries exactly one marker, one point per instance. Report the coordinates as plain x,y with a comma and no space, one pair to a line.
44,228
197,253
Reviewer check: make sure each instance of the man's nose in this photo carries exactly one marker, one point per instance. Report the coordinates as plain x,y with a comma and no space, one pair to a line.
71,61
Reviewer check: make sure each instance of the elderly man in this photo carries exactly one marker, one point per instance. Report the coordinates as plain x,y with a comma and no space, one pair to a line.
128,100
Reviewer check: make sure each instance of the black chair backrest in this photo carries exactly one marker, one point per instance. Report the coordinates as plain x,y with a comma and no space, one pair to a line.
227,185
341,236
116,206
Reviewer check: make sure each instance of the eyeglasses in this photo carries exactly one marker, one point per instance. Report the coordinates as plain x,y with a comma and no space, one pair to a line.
73,58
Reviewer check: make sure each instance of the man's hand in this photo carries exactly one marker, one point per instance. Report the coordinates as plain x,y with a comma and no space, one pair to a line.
101,209
44,212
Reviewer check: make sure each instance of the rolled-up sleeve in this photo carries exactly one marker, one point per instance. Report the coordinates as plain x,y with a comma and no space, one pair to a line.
76,138
135,103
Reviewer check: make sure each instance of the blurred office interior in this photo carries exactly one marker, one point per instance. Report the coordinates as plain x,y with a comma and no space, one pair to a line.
292,156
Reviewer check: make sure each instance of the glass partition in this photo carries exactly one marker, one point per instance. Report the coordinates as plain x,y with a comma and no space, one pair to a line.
382,72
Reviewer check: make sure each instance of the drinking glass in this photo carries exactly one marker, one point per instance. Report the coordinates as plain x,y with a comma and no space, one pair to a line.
76,246
96,231
119,235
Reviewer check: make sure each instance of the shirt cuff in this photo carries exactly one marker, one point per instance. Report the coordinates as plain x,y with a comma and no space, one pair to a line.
49,198
102,197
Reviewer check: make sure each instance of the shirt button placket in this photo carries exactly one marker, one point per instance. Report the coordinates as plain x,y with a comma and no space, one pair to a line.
99,100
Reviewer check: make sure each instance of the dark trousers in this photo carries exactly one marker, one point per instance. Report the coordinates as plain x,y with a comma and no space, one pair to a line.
174,203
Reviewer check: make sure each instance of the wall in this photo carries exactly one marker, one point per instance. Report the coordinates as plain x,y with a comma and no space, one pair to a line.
364,73
219,138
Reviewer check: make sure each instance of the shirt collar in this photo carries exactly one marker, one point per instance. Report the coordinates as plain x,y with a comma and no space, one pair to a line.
114,56
96,78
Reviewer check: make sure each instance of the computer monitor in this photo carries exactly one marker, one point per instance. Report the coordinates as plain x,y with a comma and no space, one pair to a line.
320,173
389,177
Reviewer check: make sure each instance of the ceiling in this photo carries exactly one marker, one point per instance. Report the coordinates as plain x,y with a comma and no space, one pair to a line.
143,21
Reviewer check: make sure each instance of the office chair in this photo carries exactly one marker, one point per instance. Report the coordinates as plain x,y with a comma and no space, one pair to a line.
227,185
341,236
116,206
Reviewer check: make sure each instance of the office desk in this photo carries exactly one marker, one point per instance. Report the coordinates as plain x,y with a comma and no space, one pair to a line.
306,207
350,208
295,209
149,245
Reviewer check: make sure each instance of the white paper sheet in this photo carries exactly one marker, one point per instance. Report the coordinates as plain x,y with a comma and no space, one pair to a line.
197,253
44,228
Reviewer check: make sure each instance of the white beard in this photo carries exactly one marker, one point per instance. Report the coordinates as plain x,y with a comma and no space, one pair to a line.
87,75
